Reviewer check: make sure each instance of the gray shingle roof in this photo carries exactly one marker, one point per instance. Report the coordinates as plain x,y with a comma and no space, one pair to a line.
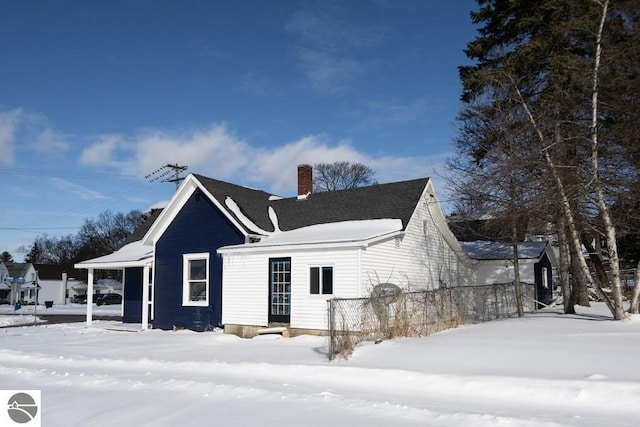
17,269
395,200
485,250
253,203
54,272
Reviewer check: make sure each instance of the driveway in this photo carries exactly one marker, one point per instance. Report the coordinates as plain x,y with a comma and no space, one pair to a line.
51,319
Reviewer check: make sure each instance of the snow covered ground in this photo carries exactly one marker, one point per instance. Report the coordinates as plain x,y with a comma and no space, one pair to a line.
543,370
25,315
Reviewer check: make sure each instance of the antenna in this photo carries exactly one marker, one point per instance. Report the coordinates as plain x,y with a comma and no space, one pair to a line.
163,174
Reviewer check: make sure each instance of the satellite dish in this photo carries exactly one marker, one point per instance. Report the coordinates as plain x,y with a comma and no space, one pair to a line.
385,293
382,296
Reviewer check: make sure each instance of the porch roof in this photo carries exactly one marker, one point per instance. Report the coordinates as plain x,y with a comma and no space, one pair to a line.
132,255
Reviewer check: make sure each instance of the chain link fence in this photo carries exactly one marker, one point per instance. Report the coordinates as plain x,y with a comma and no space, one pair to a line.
412,314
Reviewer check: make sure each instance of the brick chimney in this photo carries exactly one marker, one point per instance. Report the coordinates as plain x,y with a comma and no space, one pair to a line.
305,180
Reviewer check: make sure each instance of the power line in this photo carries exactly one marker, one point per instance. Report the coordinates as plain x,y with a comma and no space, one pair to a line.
134,187
37,228
66,174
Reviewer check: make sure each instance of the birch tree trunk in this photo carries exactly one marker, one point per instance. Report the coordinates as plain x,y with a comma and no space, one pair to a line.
574,236
635,297
610,231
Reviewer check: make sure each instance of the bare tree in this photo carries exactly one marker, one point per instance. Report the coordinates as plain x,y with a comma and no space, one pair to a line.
97,237
108,232
341,175
494,166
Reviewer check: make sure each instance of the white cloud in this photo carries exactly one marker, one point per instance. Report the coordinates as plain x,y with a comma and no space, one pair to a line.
219,153
215,150
330,46
28,130
50,141
103,152
330,27
76,189
328,72
9,121
278,166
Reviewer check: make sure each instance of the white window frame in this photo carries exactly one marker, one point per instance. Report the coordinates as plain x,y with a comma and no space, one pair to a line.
333,279
186,300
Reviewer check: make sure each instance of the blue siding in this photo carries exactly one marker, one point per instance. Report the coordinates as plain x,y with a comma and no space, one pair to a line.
198,227
132,295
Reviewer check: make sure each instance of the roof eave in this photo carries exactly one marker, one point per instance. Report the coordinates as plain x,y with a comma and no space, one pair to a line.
180,197
114,265
358,243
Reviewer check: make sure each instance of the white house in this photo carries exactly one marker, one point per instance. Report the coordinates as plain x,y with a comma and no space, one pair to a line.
58,283
5,288
349,241
220,254
20,279
494,263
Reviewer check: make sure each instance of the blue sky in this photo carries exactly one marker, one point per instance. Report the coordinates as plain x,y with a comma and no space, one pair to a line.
94,95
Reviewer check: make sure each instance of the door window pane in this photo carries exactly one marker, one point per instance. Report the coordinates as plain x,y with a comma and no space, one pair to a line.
280,287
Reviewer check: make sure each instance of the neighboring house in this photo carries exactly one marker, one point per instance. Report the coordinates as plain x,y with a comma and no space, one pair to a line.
494,264
5,288
223,254
59,283
4,272
20,278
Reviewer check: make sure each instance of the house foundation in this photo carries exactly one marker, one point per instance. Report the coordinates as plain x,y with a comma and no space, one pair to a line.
250,331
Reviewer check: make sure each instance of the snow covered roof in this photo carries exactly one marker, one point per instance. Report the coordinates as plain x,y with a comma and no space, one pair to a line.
132,255
380,201
340,233
484,250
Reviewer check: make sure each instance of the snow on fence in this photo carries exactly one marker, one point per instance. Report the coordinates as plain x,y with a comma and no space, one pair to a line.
421,313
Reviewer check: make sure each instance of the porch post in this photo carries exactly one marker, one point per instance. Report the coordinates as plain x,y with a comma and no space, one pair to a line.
145,297
90,297
124,281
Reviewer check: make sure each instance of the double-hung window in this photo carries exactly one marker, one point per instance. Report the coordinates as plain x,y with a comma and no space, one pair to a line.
321,280
195,285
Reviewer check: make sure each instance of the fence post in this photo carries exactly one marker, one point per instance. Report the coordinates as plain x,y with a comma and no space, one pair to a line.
331,327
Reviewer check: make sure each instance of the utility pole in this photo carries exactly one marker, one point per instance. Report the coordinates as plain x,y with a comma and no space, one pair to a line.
168,173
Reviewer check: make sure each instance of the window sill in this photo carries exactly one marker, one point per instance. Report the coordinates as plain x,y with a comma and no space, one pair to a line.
195,304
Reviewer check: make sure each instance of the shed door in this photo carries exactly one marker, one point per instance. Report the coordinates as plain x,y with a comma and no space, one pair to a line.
280,290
